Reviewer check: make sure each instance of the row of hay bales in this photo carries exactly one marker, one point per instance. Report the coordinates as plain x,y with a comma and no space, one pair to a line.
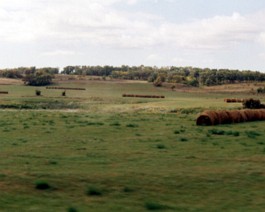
210,117
247,103
234,100
3,92
142,96
64,88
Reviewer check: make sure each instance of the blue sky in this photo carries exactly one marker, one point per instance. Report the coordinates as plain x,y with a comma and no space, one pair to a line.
200,33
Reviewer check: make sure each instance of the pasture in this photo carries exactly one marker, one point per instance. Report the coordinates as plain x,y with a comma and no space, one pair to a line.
93,150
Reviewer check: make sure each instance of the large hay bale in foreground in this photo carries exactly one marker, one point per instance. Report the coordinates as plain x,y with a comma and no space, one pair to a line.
208,118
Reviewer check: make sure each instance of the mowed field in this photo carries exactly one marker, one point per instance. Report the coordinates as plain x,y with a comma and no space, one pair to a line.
94,150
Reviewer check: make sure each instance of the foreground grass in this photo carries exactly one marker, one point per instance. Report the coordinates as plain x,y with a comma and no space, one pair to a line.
128,162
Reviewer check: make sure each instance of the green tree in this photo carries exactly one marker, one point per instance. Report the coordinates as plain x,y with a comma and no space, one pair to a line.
39,78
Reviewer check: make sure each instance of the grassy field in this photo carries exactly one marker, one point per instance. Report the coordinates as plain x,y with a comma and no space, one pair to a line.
93,150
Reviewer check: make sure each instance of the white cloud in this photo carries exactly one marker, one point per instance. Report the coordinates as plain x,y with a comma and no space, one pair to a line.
99,23
59,53
53,25
154,57
214,33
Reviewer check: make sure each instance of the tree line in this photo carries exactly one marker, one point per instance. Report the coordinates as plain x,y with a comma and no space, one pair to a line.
31,75
187,75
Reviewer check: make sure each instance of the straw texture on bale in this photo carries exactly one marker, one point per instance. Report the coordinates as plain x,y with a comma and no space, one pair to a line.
208,118
3,92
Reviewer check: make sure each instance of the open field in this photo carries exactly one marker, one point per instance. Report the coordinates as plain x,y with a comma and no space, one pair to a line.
94,150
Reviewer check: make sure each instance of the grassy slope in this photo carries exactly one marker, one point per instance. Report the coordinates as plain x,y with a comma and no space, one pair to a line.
133,152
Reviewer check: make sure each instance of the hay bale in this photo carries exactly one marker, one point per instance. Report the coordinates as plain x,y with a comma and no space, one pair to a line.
262,114
224,117
236,116
227,117
3,92
243,115
250,115
208,118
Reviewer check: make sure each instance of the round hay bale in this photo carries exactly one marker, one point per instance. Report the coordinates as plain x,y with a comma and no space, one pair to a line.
204,120
223,117
208,118
257,115
250,115
243,115
235,116
262,114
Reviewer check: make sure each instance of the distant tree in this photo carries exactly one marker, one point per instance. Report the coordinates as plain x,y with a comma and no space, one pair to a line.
39,78
158,82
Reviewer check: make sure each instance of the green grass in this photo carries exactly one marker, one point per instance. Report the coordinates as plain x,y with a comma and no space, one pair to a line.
114,154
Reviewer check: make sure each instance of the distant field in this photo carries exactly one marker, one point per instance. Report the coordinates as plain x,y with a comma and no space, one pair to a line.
94,150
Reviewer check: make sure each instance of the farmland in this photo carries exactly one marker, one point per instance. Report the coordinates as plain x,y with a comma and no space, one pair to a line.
93,150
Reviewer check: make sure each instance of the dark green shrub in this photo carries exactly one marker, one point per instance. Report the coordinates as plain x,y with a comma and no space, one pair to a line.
42,185
234,133
37,92
252,134
161,146
115,124
183,139
72,209
176,132
155,206
128,189
131,125
94,191
216,132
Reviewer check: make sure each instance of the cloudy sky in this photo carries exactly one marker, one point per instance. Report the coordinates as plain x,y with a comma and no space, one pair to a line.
199,33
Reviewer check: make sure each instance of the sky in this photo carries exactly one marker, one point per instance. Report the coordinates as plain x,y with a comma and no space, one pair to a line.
199,33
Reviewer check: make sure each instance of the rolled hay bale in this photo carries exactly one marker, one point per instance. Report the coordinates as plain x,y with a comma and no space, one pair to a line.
262,114
208,118
258,115
250,115
233,100
3,92
236,116
224,117
227,117
243,115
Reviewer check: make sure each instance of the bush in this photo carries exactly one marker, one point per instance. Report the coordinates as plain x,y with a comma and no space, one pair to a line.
161,146
252,134
216,132
39,78
183,139
42,185
131,125
72,209
158,82
37,92
94,191
155,206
